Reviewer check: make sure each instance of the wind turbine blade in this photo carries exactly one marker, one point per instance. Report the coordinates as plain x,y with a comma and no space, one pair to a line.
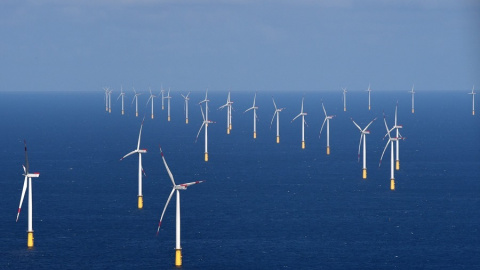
369,124
274,104
324,110
140,134
248,109
26,156
199,131
191,183
23,195
388,131
273,118
166,166
386,145
149,99
359,145
164,209
295,117
356,124
131,153
320,134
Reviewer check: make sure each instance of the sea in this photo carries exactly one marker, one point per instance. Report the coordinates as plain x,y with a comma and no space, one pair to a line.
263,205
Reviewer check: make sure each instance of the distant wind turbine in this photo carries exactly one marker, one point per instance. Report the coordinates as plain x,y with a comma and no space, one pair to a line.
186,98
140,167
168,97
204,123
110,101
177,188
152,96
363,136
162,91
413,99
399,136
229,113
390,140
302,114
277,113
254,108
122,94
327,119
135,99
28,181
106,98
344,99
369,91
473,99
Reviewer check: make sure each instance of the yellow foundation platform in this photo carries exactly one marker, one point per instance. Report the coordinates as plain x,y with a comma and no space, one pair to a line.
206,156
136,114
228,130
178,257
152,116
303,145
123,112
186,121
473,112
413,110
392,184
344,109
397,165
140,202
364,173
278,139
254,135
168,119
230,127
109,110
369,108
328,150
30,240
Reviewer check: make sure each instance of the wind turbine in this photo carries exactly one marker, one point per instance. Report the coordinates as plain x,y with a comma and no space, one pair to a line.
140,167
390,140
168,97
28,179
363,135
152,96
177,188
327,119
369,91
135,98
254,108
186,98
229,113
397,127
302,114
277,113
163,97
205,123
110,101
473,99
106,98
344,99
122,94
413,99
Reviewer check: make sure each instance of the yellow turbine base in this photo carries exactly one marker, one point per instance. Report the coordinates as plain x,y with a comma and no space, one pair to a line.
344,109
278,139
123,112
364,173
369,107
328,150
169,119
109,110
106,109
228,130
152,116
140,202
303,144
206,156
413,110
136,114
230,127
178,257
186,121
163,107
30,240
254,135
392,184
473,112
397,165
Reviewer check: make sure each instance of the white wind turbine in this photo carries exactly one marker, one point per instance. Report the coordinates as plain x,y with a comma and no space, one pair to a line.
135,98
277,113
122,94
106,98
254,108
186,98
229,112
152,96
413,99
344,99
369,91
110,101
327,120
205,123
177,188
473,99
163,97
302,114
140,167
390,140
363,136
399,136
28,181
168,97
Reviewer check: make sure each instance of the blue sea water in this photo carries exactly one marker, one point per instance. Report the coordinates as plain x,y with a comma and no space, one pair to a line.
263,205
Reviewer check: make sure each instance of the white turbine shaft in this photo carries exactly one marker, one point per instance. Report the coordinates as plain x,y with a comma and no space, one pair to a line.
163,98
206,127
122,103
136,104
392,171
110,100
303,128
106,99
364,151
30,205
278,123
177,227
254,120
328,132
140,174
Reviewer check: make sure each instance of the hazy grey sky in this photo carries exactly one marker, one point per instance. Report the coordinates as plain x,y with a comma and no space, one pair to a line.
301,45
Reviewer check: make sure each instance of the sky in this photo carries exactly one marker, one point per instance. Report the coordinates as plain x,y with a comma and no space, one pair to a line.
242,45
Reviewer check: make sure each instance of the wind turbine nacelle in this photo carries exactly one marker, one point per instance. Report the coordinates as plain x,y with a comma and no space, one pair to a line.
398,126
35,174
142,151
366,132
181,187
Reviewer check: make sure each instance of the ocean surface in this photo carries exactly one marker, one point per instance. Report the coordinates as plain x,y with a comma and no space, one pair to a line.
264,205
